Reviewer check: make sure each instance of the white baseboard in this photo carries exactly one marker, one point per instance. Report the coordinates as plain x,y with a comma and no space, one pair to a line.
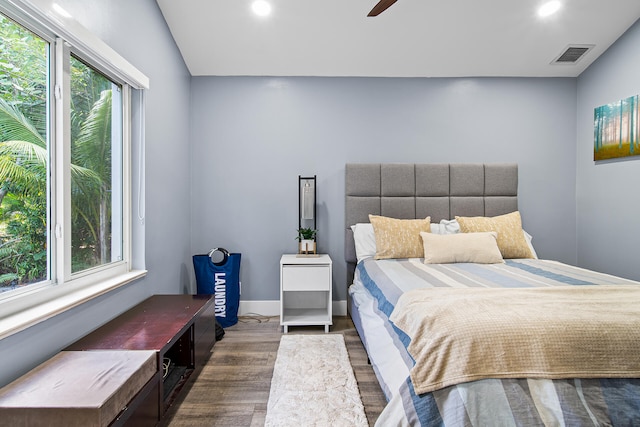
262,308
272,308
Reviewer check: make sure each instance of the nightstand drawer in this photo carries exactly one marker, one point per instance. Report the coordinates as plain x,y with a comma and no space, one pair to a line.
306,278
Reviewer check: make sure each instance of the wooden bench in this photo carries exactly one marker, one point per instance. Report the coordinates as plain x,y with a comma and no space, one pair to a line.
177,332
78,388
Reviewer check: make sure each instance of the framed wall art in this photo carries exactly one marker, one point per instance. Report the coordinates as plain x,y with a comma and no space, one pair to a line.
616,129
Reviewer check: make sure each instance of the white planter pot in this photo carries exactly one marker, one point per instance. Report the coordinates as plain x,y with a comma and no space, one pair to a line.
307,246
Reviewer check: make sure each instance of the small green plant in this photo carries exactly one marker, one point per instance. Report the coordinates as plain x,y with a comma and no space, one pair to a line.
306,234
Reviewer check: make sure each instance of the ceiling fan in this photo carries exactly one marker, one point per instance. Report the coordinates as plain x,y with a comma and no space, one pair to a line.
381,7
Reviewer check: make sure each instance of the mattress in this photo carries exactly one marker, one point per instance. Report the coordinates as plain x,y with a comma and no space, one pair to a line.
515,401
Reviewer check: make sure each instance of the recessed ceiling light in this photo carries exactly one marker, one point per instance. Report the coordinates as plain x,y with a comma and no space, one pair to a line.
261,8
549,8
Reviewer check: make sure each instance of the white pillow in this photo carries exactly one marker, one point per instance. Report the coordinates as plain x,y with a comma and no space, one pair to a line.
436,229
365,240
449,226
528,238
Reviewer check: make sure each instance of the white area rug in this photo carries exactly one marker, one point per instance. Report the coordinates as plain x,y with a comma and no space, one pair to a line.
313,384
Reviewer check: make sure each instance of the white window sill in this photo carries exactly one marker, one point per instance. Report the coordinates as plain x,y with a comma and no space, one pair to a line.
62,300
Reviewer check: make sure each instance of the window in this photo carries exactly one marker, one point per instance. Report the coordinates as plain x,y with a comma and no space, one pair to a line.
24,158
96,161
65,138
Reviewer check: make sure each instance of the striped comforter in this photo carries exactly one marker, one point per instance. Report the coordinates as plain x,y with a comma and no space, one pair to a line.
488,402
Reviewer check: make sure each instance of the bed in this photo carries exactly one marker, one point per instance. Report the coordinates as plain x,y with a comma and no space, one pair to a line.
569,359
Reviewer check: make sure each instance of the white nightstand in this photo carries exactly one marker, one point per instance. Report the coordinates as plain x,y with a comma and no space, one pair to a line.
305,291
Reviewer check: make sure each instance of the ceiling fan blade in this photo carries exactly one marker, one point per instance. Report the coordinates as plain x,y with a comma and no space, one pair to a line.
381,7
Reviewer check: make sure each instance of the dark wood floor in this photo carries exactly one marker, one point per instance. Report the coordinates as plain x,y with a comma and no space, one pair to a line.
233,388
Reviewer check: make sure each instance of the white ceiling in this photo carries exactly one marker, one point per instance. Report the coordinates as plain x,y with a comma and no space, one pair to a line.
413,38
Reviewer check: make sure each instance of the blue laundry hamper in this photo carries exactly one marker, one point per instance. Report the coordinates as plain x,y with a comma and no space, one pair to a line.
220,278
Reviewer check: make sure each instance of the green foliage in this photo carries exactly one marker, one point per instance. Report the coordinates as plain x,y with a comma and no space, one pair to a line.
24,159
306,234
91,150
30,246
23,71
23,254
23,155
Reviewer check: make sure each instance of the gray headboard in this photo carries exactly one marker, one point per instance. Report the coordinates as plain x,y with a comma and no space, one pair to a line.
442,191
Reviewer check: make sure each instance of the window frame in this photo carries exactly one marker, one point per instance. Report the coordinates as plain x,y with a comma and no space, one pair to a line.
22,308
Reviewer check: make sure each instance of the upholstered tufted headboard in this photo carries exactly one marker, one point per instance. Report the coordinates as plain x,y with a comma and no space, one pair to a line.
441,191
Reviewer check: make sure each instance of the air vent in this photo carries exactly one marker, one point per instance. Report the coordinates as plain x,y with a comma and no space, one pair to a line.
572,54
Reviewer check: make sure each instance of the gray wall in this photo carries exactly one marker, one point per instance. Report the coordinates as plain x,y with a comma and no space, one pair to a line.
137,31
228,177
252,137
607,195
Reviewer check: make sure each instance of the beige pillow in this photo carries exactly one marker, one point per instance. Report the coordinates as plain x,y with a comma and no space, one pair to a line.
399,238
511,239
481,248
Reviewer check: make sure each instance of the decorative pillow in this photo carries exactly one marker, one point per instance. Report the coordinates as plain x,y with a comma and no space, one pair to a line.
446,226
365,240
511,240
480,248
529,238
435,228
399,238
449,226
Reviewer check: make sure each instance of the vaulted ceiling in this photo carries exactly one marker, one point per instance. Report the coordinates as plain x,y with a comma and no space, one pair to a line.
413,38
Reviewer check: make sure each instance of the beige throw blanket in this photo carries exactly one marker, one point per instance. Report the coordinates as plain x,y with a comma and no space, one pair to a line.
460,335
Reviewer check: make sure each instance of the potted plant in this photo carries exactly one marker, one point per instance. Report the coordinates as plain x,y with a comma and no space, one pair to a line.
306,237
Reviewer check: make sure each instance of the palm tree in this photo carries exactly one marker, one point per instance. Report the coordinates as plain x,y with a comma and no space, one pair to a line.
24,157
23,170
23,152
91,200
23,175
